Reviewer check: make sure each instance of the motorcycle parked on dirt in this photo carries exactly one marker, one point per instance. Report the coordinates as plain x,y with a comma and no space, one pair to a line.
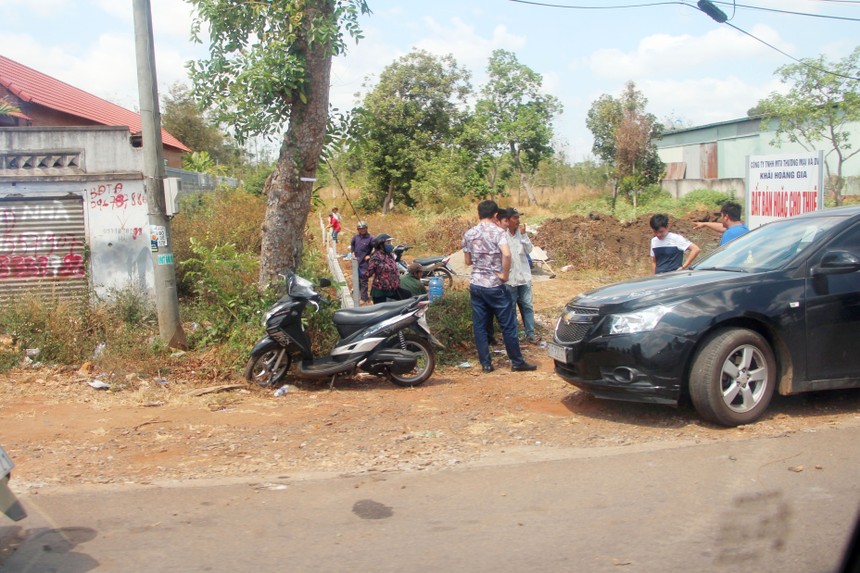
432,266
391,339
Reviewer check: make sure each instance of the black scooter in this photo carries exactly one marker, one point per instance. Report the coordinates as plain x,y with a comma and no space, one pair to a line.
432,266
390,339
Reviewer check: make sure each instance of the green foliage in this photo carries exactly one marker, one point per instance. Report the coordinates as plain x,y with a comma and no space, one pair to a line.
131,306
445,178
516,117
7,107
202,162
406,121
816,112
450,321
223,283
182,116
253,177
707,199
652,194
624,135
227,217
319,324
258,66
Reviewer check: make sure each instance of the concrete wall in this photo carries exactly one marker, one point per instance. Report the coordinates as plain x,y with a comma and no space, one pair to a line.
102,149
680,187
110,181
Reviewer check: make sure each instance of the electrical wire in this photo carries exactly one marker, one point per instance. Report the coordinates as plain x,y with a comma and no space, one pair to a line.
614,7
742,31
801,62
775,10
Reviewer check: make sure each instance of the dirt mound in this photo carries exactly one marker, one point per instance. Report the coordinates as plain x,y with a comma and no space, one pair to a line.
604,243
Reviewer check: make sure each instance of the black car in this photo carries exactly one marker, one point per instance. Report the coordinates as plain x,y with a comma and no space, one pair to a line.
777,309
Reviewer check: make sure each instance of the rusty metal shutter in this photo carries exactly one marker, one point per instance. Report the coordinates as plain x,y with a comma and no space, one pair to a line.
710,169
42,247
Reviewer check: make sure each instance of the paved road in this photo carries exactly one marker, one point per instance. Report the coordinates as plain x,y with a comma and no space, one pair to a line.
781,504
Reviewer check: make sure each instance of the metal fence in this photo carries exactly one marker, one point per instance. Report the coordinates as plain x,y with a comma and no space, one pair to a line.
193,182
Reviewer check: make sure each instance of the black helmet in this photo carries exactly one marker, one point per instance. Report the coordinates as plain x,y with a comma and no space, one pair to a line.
381,239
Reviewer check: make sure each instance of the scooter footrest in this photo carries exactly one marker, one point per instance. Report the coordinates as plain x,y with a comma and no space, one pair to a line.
324,368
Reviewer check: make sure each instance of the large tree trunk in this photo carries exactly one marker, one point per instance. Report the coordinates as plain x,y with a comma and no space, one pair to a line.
524,178
388,203
290,186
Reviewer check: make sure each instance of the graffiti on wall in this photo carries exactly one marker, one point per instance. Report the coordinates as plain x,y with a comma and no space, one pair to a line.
111,196
28,253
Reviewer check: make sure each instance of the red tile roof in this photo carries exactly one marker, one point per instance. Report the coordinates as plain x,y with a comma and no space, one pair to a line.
36,87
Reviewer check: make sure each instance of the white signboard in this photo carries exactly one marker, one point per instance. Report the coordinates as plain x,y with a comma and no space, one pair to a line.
780,186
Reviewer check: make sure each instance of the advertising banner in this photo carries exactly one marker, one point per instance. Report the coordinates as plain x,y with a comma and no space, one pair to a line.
780,186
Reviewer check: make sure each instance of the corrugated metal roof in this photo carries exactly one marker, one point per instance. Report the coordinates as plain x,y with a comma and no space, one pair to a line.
36,87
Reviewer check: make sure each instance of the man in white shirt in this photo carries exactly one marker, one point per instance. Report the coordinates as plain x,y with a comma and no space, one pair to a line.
519,283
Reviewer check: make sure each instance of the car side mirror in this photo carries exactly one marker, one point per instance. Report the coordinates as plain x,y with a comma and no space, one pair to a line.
837,263
324,282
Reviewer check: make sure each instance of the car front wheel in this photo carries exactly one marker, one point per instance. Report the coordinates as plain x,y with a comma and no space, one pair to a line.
733,377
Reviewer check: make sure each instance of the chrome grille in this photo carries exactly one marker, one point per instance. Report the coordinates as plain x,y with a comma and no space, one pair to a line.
578,325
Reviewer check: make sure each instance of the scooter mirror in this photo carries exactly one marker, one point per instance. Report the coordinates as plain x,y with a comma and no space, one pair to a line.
324,282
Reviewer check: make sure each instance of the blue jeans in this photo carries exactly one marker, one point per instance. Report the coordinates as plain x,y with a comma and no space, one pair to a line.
489,302
521,296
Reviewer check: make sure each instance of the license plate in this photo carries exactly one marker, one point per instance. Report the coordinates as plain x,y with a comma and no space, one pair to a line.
557,352
6,464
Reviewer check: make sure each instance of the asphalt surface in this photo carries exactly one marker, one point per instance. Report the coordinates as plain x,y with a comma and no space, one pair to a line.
778,504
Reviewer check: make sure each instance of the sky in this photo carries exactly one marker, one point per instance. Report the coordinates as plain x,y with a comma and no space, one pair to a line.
691,69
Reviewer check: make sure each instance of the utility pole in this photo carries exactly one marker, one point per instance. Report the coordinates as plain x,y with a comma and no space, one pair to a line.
166,300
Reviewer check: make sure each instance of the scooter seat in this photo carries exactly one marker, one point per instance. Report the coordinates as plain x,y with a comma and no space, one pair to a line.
427,261
369,314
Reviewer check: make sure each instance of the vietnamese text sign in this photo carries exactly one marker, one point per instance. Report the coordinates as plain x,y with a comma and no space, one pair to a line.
780,186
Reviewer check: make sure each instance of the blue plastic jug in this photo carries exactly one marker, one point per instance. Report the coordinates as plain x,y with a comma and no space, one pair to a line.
436,288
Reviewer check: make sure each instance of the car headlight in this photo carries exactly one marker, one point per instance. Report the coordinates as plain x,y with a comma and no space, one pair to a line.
639,321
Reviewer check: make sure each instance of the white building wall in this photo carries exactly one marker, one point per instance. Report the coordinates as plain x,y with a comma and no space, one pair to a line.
109,180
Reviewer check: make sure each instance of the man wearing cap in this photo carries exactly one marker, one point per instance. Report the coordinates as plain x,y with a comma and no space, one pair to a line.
360,246
485,248
411,281
519,283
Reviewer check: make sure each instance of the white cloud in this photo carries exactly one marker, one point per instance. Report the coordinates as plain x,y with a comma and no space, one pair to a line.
34,7
666,55
169,17
705,100
372,54
460,39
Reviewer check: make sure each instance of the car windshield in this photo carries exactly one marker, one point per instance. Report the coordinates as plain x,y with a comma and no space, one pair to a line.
769,247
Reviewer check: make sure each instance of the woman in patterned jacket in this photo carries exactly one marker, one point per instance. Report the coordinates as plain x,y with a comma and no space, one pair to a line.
383,269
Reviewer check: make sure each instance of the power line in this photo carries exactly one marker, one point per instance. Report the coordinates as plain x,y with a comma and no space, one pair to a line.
742,31
801,62
809,15
735,5
613,7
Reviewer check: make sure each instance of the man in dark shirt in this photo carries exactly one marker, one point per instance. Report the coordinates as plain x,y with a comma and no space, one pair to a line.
411,281
360,246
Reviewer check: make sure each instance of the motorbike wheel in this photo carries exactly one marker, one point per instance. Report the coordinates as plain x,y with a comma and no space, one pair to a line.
425,366
446,276
261,366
